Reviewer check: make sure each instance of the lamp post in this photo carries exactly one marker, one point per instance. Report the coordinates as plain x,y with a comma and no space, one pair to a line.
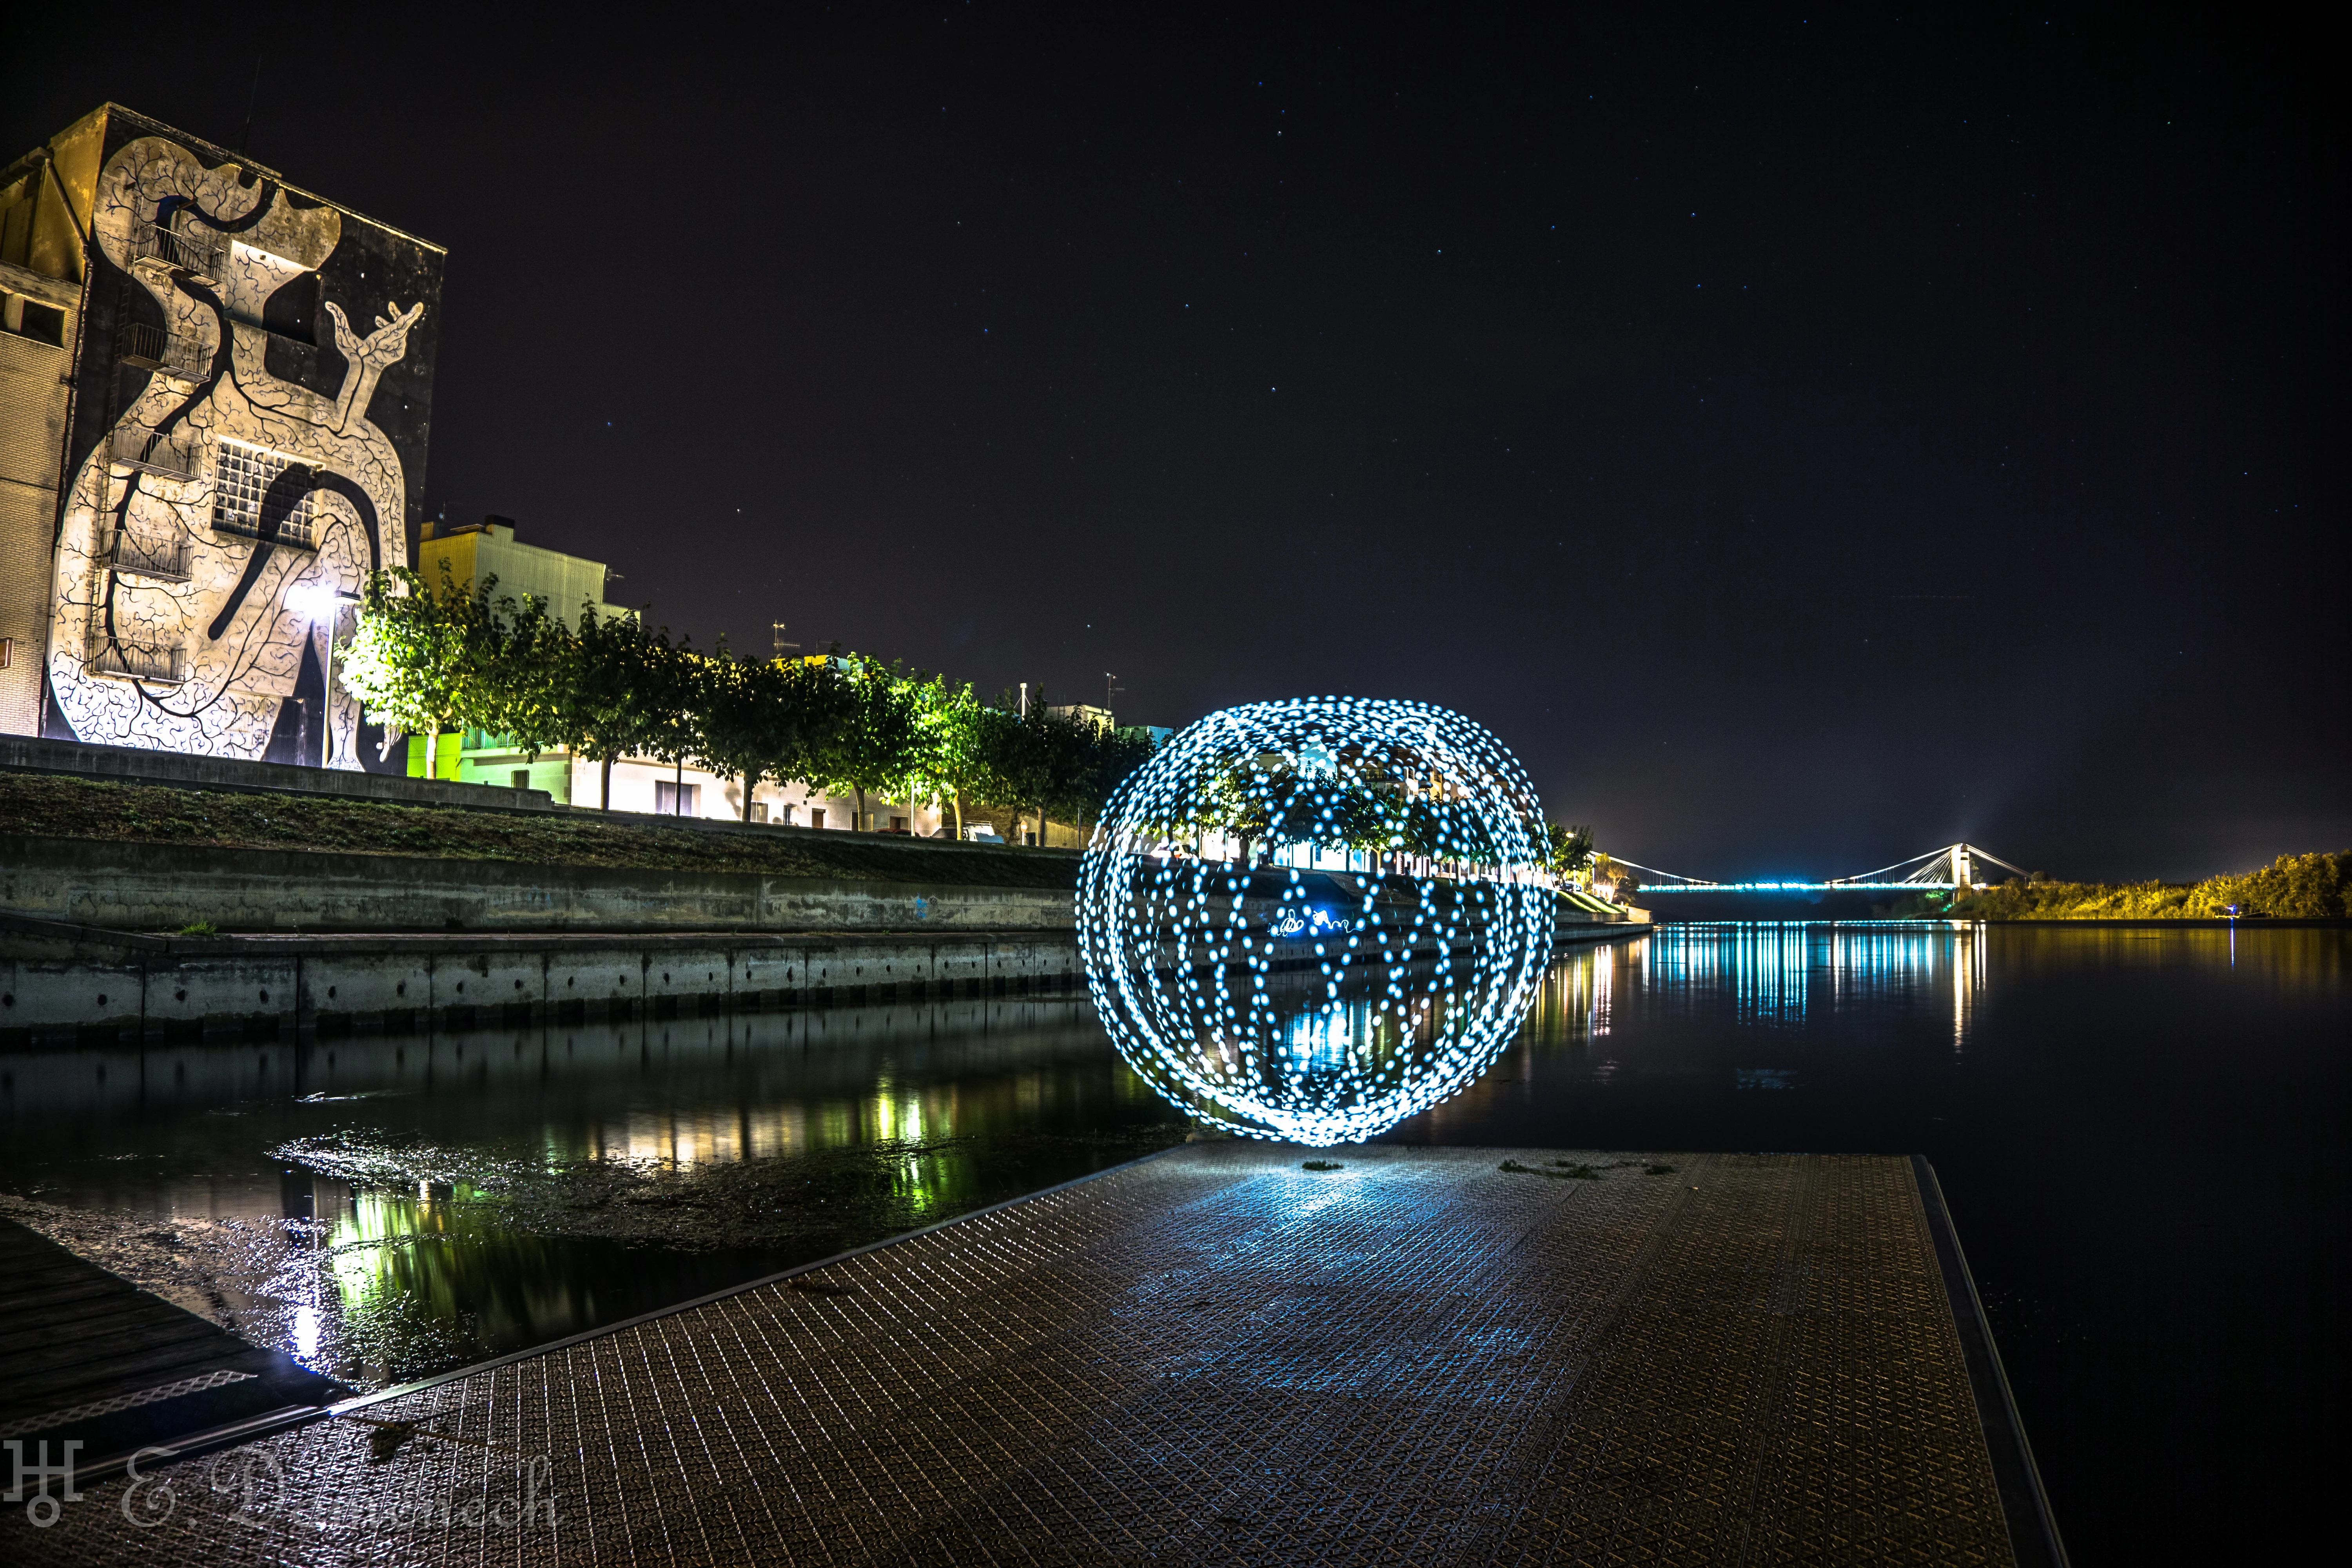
321,604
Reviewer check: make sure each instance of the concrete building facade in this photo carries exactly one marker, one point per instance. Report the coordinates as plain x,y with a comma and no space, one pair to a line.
216,390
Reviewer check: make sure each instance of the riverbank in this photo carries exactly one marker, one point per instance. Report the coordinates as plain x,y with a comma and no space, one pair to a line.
2294,887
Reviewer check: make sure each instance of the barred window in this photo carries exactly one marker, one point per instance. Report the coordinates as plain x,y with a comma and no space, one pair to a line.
241,478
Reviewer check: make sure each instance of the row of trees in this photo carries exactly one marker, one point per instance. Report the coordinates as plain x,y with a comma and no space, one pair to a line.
2294,887
1271,803
428,662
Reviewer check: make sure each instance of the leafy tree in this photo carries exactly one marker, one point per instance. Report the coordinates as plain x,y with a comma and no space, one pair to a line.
525,680
671,691
873,743
740,713
422,661
602,698
1567,850
1013,764
951,747
1115,755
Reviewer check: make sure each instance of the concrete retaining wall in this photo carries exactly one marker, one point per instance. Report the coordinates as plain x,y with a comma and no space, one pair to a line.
166,887
65,984
59,982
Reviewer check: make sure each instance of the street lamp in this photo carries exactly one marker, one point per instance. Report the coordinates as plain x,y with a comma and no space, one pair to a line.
321,604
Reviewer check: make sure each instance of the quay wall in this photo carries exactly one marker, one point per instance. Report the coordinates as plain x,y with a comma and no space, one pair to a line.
77,985
59,982
166,887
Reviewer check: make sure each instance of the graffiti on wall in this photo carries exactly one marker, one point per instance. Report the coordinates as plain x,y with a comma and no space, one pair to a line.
211,531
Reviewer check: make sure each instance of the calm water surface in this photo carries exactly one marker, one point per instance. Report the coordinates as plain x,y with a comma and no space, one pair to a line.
2138,1129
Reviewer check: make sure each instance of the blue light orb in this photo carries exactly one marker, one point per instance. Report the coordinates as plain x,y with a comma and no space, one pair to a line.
1311,920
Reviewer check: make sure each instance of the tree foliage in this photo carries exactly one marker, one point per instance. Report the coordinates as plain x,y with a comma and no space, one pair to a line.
428,661
2292,887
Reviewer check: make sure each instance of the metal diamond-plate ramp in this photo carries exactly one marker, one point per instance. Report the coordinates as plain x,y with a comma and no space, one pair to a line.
1211,1357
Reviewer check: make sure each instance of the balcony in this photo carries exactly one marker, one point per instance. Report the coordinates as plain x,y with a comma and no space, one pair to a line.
154,452
147,555
181,246
157,348
148,663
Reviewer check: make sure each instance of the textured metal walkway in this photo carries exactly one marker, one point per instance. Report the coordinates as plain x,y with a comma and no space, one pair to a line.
1213,1357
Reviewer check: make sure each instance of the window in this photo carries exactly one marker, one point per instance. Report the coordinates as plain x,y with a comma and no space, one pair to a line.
816,816
673,799
758,811
785,815
897,825
31,319
522,778
241,483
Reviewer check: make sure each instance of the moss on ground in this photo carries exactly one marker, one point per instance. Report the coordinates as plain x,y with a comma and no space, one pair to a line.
42,805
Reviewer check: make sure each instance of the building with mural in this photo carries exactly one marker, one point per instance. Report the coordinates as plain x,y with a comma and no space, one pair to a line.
216,390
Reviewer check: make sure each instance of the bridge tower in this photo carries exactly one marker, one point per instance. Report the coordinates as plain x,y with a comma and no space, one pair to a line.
1963,867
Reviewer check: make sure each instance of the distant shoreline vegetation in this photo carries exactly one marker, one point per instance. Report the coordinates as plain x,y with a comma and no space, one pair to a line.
2292,887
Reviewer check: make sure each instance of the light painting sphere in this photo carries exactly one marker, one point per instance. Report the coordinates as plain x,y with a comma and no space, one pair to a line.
1310,919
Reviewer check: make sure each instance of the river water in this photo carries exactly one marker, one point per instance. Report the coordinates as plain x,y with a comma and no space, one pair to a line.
2138,1129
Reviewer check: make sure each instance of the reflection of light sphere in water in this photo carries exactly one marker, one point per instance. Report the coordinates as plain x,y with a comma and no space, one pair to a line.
1311,920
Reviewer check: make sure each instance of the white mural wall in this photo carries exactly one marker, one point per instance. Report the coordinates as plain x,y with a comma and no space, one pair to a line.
203,539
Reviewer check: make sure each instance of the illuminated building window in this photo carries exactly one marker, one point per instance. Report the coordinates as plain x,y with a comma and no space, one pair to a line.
242,478
673,799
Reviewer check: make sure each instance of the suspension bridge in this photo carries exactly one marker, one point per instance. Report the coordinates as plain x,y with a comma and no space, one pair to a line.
1953,866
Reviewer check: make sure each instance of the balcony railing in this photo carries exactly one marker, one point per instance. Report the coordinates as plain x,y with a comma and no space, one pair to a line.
147,555
172,457
149,662
157,348
180,244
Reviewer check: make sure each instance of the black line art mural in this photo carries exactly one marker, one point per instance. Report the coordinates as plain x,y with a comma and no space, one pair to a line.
244,454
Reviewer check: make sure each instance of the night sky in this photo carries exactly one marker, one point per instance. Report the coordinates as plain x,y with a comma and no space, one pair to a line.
1805,439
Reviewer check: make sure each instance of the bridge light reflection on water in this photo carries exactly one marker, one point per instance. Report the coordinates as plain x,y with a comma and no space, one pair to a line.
1771,971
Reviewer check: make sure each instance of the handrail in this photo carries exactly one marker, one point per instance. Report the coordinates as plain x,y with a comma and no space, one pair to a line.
158,347
150,557
111,656
154,451
179,245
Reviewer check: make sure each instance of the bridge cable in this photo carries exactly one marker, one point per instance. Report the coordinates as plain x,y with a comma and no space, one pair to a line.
1983,855
1652,870
1866,876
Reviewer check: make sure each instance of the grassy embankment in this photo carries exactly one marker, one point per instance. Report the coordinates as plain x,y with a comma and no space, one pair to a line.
47,806
2294,887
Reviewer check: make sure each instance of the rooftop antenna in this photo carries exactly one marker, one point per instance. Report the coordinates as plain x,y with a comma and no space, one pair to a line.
780,644
1111,690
